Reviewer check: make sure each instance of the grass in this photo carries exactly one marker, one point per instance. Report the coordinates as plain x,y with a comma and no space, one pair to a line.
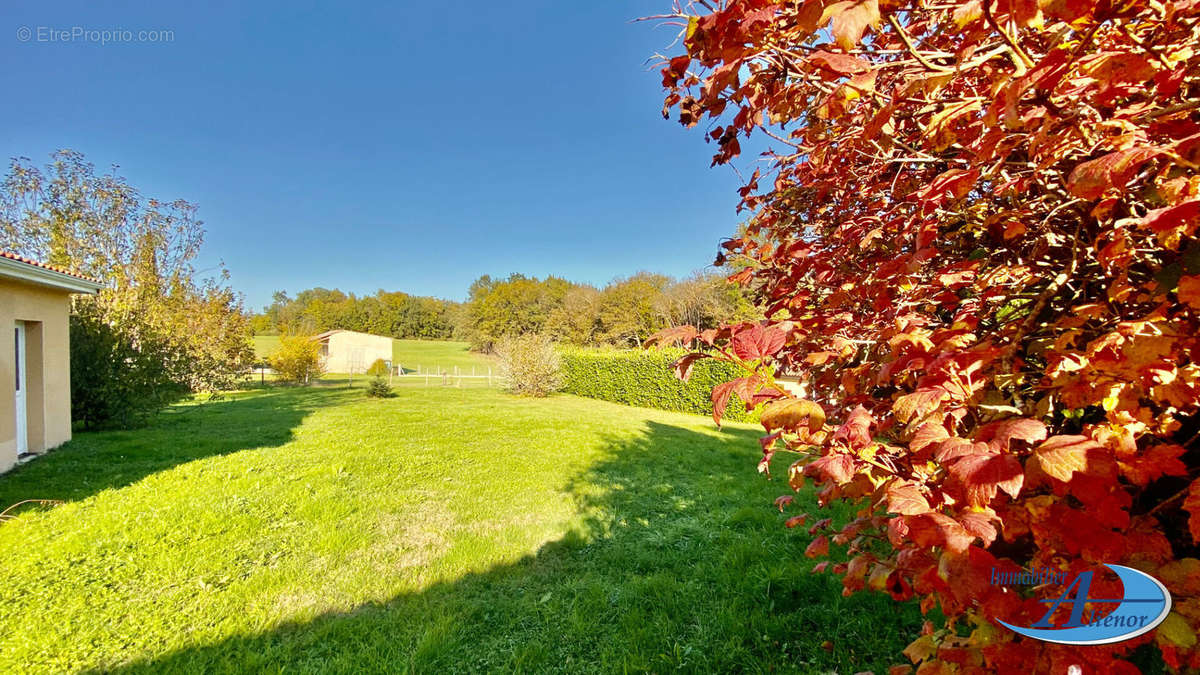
316,530
428,354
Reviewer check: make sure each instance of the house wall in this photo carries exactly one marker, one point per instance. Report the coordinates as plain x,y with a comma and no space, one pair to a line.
48,378
342,347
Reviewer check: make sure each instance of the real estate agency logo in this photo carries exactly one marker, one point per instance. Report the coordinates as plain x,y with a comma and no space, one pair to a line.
1143,605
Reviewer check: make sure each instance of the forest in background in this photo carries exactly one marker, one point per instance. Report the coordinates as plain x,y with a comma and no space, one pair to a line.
623,313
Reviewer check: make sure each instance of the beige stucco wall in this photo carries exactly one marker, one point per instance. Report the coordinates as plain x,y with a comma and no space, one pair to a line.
48,379
342,347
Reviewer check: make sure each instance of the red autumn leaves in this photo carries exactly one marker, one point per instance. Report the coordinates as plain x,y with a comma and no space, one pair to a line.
977,246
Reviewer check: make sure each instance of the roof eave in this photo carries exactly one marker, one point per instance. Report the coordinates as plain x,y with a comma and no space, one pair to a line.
15,269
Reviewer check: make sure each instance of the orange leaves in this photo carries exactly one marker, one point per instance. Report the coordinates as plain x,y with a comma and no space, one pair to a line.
757,342
682,335
818,548
793,414
943,128
1061,456
1092,179
937,529
744,387
952,184
675,70
918,404
1157,461
1001,434
1191,504
855,433
982,473
1180,220
683,366
1189,291
905,498
979,524
850,18
839,64
837,467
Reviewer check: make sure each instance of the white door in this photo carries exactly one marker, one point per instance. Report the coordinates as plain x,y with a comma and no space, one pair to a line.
19,367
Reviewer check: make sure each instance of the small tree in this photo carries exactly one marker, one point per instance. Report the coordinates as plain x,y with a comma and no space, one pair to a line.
530,363
378,368
378,388
298,359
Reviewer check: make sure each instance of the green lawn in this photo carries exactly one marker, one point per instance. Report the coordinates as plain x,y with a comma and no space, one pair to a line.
317,530
428,354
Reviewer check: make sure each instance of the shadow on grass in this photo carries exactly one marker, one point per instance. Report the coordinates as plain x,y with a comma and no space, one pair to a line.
101,460
681,563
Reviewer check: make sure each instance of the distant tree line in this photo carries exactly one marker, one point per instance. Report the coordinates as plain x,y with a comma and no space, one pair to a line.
623,313
393,314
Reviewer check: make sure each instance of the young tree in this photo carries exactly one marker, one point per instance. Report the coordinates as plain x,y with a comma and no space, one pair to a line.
297,359
978,243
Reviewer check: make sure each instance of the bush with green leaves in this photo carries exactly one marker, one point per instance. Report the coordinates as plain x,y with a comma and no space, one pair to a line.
646,378
119,376
297,360
530,363
378,368
378,388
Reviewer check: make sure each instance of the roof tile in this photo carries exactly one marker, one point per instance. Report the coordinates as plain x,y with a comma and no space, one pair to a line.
52,268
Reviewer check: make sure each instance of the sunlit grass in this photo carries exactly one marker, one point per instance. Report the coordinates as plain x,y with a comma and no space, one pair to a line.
445,529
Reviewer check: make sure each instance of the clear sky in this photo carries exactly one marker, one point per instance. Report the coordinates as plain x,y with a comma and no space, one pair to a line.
405,146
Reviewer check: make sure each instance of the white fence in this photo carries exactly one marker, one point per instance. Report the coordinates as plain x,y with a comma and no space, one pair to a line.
446,376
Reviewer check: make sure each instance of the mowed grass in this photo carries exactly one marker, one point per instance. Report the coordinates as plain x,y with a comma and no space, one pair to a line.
443,530
428,354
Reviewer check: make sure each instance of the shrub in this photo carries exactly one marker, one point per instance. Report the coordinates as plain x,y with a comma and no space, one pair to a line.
530,364
118,378
378,369
979,243
297,359
646,378
378,388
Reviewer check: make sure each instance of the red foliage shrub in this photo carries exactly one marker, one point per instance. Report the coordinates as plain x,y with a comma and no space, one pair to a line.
978,248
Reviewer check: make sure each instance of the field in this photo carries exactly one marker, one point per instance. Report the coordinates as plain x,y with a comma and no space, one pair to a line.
428,354
317,530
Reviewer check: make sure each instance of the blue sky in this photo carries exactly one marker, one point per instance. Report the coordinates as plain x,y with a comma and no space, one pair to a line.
402,146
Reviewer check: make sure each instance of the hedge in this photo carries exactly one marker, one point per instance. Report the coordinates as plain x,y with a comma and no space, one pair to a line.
646,378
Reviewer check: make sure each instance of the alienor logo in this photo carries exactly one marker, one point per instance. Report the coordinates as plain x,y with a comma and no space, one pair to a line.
1145,604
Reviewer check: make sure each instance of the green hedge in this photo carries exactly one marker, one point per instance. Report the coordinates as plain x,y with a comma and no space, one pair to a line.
645,378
